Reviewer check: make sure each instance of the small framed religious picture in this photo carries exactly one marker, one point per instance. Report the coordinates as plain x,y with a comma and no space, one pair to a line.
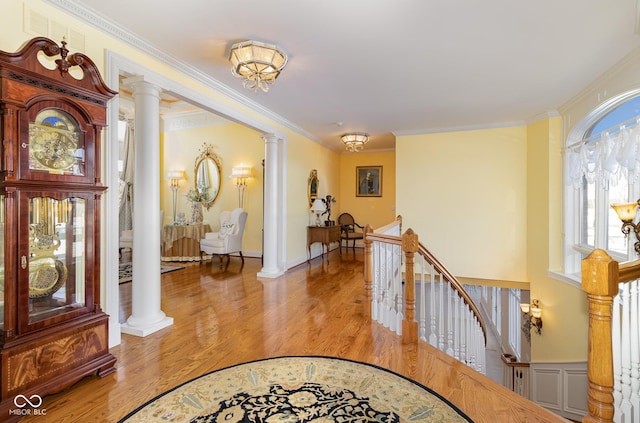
368,181
313,184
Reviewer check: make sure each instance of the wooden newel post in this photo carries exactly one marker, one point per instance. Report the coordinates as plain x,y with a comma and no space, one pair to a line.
409,324
368,270
600,282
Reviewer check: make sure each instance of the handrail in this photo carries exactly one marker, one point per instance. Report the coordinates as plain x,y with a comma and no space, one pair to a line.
628,271
410,245
385,228
453,281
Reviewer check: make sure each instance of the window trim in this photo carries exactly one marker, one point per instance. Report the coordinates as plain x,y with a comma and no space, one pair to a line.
573,249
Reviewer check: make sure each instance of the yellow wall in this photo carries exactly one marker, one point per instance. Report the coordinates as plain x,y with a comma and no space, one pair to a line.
376,211
494,211
464,194
564,335
303,156
234,144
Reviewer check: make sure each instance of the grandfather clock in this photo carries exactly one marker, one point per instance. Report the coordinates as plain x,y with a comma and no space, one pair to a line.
53,331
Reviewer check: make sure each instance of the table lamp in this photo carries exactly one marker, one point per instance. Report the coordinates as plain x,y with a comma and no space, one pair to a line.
318,208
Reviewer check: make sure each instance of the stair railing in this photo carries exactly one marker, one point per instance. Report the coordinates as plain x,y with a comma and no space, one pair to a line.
414,295
613,362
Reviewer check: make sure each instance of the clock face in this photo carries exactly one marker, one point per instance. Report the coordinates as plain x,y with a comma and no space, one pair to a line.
55,144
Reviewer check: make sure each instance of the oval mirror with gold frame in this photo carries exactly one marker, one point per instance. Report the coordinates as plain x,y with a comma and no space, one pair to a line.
207,171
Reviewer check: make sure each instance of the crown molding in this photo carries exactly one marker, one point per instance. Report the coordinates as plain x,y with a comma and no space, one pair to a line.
191,120
542,116
593,89
113,29
460,128
370,151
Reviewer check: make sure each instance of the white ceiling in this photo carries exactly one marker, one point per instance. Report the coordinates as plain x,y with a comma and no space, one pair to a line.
394,66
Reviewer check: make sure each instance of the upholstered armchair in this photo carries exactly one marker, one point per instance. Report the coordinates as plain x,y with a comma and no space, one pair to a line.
228,239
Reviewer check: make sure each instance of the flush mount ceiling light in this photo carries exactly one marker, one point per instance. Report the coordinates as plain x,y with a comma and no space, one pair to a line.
258,63
355,141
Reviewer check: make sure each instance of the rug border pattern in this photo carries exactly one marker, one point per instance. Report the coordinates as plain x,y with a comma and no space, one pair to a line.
459,412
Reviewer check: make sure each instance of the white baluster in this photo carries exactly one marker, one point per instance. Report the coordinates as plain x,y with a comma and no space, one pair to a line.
375,289
617,365
433,339
457,325
422,320
441,313
386,286
635,353
399,291
450,321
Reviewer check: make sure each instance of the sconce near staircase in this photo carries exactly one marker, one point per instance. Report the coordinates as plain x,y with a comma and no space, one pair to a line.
532,316
627,213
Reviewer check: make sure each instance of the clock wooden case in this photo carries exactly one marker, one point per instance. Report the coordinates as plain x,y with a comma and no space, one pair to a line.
53,331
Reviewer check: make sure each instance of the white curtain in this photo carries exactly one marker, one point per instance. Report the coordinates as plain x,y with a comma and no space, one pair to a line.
126,181
606,158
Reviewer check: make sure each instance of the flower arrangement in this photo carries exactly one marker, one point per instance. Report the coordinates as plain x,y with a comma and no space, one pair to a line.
195,196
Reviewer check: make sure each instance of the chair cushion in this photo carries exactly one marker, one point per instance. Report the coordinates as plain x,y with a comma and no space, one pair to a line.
226,229
212,243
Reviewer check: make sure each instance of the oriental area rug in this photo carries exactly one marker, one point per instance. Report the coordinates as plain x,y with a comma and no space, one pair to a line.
310,389
124,272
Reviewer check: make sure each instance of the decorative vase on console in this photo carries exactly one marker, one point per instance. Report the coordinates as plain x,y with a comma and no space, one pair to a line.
196,213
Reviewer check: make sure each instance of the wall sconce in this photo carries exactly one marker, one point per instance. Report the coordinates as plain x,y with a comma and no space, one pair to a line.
627,213
241,173
318,208
174,177
532,314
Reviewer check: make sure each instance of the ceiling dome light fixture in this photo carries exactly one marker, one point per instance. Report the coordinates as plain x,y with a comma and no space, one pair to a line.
258,63
355,141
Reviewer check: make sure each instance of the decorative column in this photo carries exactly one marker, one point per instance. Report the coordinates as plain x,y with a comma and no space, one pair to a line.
146,316
271,217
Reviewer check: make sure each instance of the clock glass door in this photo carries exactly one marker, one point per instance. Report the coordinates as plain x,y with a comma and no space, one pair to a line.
56,262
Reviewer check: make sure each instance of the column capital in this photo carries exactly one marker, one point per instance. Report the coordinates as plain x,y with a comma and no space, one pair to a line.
270,138
140,85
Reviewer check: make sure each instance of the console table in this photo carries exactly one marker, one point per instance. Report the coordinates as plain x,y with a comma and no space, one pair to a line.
182,242
324,234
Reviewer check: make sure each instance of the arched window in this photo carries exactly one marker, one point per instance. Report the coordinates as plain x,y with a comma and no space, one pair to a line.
603,167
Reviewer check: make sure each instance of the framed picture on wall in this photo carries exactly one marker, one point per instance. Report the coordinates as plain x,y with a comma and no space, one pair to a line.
368,181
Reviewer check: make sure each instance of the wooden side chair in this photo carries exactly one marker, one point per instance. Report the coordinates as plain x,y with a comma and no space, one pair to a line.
349,230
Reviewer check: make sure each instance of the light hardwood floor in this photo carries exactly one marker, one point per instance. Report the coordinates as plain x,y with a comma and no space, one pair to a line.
225,318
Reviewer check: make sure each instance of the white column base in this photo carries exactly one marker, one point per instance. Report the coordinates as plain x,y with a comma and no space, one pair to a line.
266,273
148,329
